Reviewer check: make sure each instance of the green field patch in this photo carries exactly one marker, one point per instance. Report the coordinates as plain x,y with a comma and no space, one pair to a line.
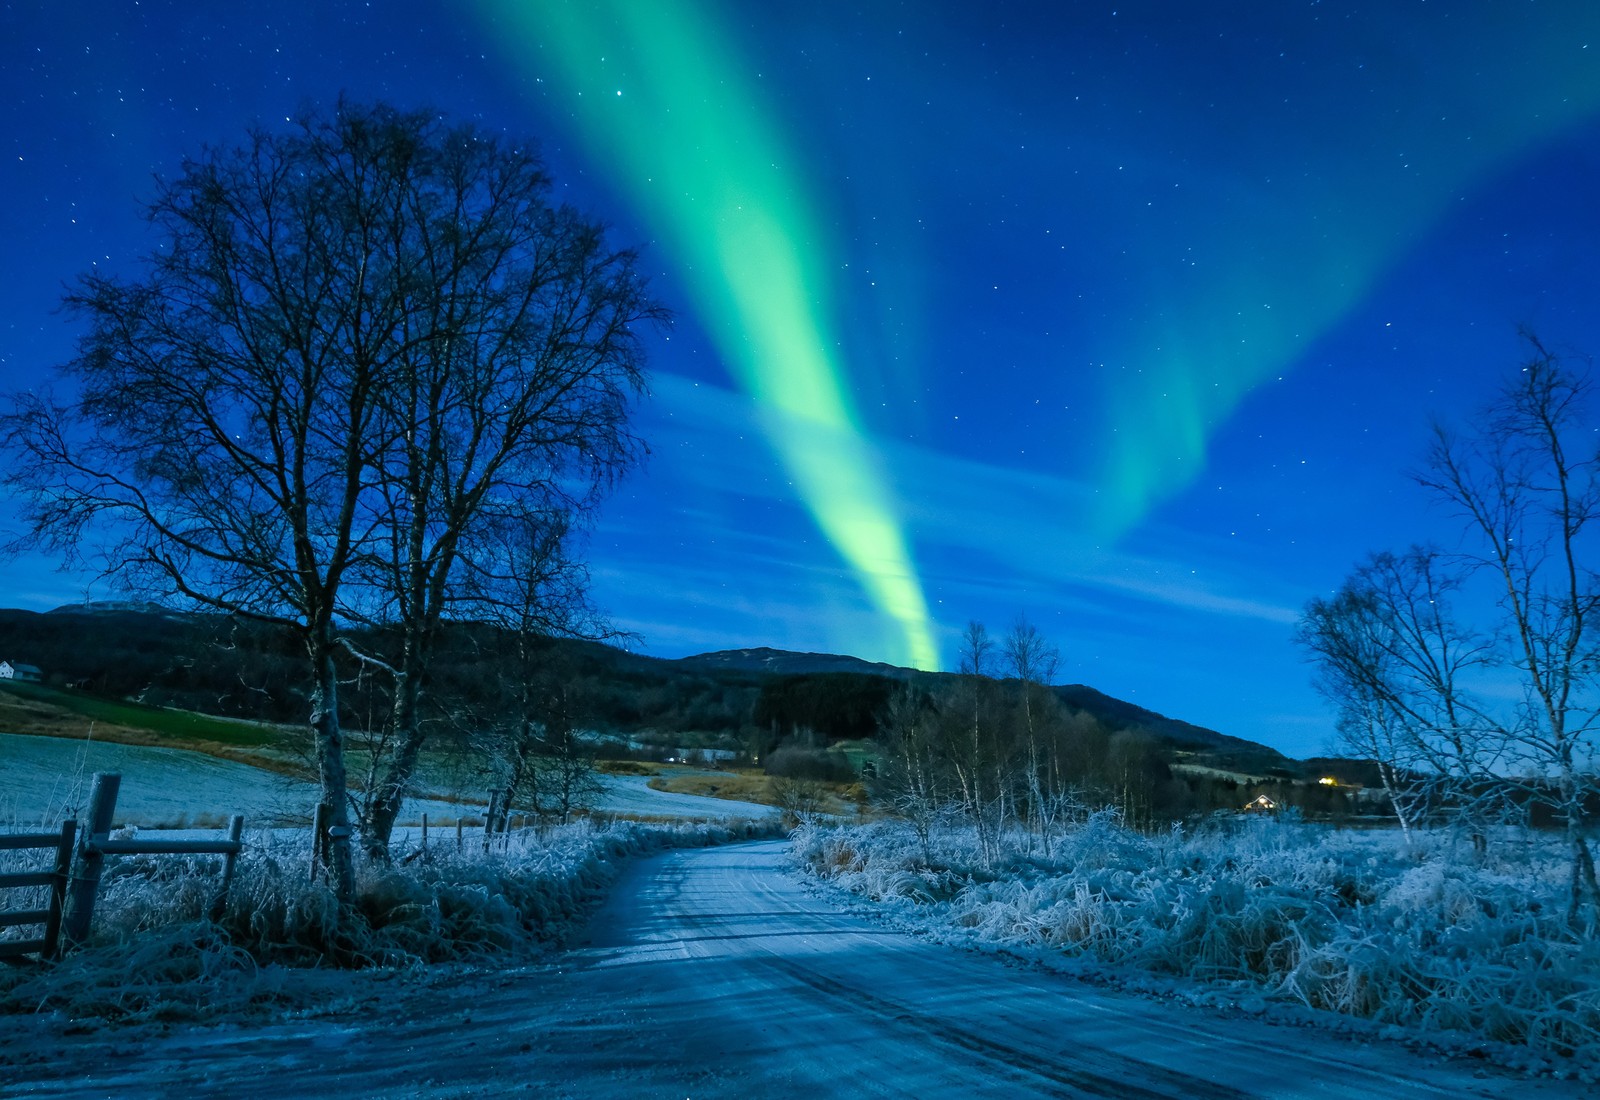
176,725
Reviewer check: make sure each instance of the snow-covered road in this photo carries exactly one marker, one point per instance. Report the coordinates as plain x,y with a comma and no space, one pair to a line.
714,973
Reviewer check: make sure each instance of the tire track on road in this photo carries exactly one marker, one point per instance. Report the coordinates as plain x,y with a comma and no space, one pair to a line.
1136,1081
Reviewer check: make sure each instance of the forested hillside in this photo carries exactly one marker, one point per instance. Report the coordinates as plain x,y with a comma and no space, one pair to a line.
751,702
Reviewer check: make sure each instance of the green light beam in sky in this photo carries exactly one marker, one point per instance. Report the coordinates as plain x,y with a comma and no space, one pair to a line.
1307,224
664,104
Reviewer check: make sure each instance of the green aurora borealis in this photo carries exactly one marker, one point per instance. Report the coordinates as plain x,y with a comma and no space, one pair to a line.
1127,316
1329,187
1325,186
664,102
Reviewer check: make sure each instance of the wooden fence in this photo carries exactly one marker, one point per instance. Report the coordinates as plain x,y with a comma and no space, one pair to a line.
74,887
48,919
74,881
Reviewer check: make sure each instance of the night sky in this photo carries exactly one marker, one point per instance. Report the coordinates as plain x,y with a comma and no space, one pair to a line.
1129,317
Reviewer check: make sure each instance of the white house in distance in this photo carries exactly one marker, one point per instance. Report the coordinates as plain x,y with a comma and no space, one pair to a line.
16,670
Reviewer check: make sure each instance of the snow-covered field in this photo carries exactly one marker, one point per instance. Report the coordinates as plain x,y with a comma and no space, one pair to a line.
46,779
1268,914
43,779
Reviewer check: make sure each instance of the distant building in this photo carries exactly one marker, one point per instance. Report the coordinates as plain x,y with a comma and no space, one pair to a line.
702,756
1260,804
16,670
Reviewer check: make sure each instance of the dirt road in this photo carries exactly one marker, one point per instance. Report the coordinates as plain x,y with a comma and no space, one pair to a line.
713,973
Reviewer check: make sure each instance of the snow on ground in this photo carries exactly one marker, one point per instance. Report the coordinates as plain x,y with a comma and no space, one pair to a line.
631,794
713,973
44,779
153,953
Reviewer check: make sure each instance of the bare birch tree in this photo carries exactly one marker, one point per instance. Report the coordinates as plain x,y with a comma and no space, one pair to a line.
1033,661
509,394
1525,484
535,590
1397,663
977,759
221,413
912,779
354,343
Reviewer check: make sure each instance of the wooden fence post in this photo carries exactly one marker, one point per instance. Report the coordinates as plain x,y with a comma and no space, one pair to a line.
86,882
424,832
459,833
58,890
489,818
235,829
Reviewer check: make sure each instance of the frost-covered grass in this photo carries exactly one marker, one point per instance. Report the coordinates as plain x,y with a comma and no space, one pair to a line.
153,954
47,778
1349,921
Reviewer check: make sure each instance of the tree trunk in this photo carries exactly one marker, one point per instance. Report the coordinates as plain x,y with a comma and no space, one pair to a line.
525,781
1391,787
1584,886
402,768
1583,876
328,744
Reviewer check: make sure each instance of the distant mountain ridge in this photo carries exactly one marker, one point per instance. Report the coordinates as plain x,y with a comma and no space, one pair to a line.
216,665
1119,712
119,607
783,662
1113,712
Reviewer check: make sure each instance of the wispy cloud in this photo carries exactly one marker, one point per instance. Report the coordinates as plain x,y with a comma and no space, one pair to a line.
1009,532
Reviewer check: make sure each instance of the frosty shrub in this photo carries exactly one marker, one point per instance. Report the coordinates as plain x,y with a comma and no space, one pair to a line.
1351,922
152,955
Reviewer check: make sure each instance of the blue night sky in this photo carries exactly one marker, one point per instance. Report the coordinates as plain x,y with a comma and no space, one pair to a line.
1129,317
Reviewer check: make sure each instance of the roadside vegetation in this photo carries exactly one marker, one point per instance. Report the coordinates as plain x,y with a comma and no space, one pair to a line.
1467,684
154,956
1430,935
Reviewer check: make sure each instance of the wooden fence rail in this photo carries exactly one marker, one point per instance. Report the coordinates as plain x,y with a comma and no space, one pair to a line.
97,844
74,883
48,918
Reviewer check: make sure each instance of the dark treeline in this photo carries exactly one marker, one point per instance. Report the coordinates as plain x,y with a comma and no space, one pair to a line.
1004,755
216,664
836,705
999,748
1114,753
219,665
207,663
1004,750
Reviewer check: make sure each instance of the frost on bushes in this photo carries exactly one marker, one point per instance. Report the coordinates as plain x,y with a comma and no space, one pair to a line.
178,972
1338,920
451,904
152,956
